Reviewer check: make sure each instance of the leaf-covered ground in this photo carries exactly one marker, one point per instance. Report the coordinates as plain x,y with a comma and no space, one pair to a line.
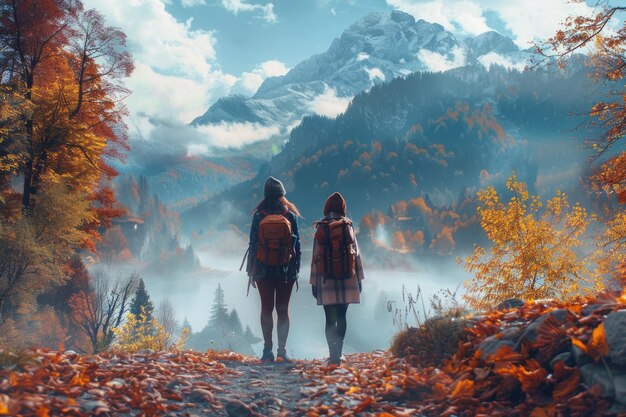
525,380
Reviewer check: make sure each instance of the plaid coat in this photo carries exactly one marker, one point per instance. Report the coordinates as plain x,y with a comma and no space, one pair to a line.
333,291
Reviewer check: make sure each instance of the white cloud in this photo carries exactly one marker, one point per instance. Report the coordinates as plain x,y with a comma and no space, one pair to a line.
192,3
328,104
249,82
437,62
374,74
266,10
493,58
455,15
332,11
527,20
176,76
171,97
232,135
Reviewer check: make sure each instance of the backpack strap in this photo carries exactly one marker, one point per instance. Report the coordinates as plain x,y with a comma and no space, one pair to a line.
245,256
344,258
328,252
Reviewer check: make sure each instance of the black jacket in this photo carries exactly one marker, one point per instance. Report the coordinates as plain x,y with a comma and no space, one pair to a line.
258,270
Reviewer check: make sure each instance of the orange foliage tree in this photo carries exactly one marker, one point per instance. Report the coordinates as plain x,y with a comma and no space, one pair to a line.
61,83
607,60
534,253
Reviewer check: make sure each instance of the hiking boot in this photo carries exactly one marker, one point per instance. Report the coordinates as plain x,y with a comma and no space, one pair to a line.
268,355
281,356
335,354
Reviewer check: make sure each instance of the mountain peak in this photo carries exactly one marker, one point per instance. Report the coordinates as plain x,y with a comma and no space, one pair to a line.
376,48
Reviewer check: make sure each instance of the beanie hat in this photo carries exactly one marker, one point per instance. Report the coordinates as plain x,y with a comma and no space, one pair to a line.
273,188
336,204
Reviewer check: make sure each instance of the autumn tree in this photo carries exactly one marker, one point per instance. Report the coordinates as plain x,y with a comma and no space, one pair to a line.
534,252
61,84
71,65
113,245
35,246
101,306
605,45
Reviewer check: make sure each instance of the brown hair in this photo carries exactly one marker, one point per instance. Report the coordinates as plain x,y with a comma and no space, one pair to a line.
272,202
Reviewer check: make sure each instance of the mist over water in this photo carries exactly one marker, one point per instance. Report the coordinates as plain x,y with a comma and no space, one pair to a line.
370,325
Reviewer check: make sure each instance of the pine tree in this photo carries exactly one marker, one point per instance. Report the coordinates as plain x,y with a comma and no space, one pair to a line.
250,337
141,301
219,313
234,324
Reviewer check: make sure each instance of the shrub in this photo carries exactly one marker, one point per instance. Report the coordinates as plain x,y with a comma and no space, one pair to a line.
434,339
430,344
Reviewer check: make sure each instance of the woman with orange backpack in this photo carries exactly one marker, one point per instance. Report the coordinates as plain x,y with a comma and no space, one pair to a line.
336,271
274,262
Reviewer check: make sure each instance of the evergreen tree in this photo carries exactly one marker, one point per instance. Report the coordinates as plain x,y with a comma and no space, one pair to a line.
234,324
250,337
142,301
219,314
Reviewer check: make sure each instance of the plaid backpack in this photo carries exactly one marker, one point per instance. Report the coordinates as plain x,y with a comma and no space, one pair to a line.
338,257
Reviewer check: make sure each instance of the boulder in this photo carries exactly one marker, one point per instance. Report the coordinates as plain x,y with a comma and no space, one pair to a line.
580,357
561,316
491,344
593,374
615,329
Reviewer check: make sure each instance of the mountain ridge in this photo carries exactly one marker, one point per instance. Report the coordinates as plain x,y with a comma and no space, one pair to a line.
376,48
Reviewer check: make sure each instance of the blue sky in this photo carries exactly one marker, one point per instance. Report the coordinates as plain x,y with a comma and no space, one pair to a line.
190,53
301,29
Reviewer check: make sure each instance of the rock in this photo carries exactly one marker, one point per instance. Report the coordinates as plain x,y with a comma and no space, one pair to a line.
615,329
510,303
580,357
70,353
492,344
561,316
566,357
619,383
589,309
593,374
236,408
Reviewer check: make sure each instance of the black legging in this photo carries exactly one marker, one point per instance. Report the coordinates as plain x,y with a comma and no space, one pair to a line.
275,292
336,324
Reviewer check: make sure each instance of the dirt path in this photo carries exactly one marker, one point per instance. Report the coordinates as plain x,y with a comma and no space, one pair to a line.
191,384
258,389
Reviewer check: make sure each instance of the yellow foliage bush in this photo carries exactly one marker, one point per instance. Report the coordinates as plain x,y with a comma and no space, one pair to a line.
145,333
535,250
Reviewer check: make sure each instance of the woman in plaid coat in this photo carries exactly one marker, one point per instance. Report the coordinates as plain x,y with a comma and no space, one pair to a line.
335,294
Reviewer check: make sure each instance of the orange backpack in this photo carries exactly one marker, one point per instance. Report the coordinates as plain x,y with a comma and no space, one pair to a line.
336,238
274,240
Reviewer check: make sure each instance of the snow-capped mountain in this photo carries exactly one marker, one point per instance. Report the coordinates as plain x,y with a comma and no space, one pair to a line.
377,48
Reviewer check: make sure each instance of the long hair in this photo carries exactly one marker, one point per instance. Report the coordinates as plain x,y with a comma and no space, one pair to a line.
273,203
